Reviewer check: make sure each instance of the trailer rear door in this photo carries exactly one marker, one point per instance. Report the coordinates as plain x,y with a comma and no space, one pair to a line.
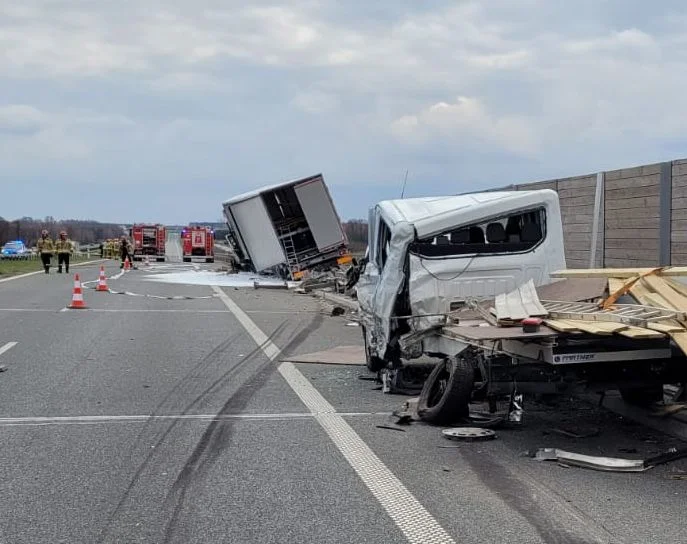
319,211
255,227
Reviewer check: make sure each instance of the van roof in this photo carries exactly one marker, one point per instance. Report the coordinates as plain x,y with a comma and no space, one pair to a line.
256,192
432,215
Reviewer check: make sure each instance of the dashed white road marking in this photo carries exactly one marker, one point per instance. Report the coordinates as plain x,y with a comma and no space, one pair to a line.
416,523
7,347
93,420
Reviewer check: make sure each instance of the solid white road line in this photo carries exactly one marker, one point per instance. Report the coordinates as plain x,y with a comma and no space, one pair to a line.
416,523
91,420
7,347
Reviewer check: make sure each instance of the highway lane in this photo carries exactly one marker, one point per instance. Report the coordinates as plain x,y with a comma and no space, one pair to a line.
152,420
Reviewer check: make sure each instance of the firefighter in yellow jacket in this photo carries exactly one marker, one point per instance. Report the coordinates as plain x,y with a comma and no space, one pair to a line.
64,248
45,250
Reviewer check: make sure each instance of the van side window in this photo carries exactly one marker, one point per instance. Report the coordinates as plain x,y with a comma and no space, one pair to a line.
384,241
514,233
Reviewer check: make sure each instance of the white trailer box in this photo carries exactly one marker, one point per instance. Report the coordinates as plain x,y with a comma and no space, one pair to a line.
292,225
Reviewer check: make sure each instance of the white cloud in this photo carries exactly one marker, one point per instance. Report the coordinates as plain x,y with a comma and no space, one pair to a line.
466,123
556,87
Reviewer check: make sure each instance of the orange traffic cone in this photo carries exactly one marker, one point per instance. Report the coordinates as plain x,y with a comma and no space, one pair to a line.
127,264
102,281
77,295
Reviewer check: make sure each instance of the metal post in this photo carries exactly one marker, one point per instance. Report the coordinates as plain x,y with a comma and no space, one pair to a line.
665,213
598,202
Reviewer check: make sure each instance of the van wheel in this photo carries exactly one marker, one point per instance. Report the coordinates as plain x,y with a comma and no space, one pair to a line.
372,362
642,396
445,396
187,259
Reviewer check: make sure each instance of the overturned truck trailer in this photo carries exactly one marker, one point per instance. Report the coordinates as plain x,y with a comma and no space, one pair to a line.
291,228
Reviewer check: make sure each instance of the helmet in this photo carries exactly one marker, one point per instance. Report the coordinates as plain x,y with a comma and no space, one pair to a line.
44,232
63,233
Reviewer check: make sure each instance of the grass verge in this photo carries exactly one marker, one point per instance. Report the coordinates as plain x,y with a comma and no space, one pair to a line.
14,267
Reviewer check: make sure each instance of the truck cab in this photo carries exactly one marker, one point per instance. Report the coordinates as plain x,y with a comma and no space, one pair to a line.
427,256
198,242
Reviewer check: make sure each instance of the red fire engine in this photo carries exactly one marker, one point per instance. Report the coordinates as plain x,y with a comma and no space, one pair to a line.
198,242
149,240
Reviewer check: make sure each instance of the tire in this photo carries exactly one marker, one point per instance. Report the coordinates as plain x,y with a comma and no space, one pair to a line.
187,259
642,396
210,260
446,393
372,362
160,260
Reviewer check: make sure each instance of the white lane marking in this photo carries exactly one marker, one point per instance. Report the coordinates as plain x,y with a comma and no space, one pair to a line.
268,347
41,271
91,420
64,310
416,523
7,347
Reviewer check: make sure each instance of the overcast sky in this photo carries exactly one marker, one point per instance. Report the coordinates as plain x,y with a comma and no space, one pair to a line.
157,110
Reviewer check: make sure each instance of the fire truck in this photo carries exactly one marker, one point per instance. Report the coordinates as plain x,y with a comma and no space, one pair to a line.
198,242
149,240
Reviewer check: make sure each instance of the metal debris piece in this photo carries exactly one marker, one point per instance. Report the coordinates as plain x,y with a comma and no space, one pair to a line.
390,428
338,310
3,368
668,410
469,433
607,464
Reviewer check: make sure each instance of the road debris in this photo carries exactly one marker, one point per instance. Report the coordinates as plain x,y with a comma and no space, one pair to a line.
338,310
390,428
607,464
469,434
3,368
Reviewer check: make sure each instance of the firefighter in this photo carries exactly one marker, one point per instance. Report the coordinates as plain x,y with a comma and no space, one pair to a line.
45,250
125,251
64,248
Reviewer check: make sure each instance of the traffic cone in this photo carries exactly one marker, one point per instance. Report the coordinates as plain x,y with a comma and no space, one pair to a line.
102,281
127,264
77,295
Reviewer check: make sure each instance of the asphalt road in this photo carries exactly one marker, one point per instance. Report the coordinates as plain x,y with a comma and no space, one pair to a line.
147,419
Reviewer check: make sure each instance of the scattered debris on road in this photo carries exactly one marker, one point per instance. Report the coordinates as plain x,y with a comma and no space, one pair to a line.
469,434
607,464
389,427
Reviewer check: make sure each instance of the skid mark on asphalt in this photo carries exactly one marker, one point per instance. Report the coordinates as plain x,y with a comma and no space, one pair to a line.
416,523
176,497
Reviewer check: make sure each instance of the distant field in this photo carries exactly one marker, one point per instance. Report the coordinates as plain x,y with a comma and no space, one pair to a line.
13,267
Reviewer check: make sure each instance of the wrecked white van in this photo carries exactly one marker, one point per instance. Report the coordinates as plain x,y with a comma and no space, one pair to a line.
427,256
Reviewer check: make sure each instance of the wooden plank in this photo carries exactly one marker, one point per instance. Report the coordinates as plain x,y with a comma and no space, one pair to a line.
677,286
615,284
618,272
601,328
573,290
658,301
640,332
561,325
666,327
676,300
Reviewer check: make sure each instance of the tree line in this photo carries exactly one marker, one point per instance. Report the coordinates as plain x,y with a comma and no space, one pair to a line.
28,230
356,232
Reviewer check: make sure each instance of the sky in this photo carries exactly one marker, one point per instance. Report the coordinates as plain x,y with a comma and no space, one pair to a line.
158,110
